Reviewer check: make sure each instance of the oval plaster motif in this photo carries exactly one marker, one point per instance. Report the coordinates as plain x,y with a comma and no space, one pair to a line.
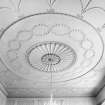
51,18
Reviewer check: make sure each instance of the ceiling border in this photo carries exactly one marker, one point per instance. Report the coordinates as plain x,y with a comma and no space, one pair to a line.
3,90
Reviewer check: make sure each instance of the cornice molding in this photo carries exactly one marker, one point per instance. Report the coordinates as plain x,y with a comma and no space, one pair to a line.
2,89
101,103
99,96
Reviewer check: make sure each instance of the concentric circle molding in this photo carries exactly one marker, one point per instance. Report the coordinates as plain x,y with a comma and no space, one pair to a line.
51,56
43,42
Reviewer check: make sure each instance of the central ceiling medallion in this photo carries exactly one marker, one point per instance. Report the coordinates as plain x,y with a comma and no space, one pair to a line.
50,59
51,56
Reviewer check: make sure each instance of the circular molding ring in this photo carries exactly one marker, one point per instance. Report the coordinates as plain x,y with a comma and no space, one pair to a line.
51,56
98,49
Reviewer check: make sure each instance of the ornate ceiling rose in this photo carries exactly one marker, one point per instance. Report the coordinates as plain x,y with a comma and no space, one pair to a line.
29,50
51,56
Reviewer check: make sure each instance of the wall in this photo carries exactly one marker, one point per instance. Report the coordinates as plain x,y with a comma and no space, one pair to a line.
3,94
67,101
101,96
3,99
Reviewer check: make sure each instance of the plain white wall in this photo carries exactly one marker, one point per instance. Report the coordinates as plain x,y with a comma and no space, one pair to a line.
3,95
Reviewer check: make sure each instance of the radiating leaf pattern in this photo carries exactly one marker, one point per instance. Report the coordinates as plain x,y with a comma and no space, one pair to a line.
51,3
51,56
16,4
84,5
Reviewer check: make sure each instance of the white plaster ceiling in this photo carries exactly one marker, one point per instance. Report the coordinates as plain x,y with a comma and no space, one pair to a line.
62,40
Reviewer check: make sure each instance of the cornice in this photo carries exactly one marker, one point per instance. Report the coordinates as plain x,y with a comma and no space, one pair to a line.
2,89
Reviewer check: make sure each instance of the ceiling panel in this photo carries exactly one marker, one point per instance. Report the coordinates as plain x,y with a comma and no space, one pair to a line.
58,41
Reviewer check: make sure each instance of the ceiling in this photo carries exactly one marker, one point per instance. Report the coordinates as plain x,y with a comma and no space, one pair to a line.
52,40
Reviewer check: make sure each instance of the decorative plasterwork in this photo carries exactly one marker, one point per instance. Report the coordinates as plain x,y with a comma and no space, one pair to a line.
51,56
76,26
88,52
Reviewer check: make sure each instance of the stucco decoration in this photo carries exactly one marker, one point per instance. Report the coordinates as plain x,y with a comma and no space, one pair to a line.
60,36
50,56
27,50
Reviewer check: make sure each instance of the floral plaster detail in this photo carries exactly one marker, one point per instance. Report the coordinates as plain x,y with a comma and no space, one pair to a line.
41,36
